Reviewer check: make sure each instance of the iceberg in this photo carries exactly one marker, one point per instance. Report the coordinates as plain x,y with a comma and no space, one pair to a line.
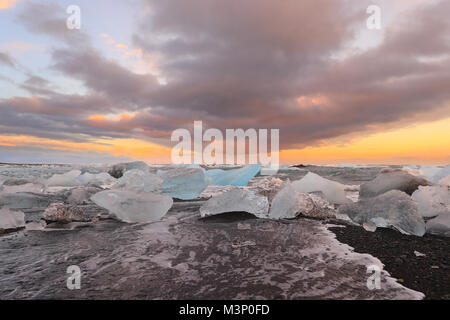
434,174
289,203
333,191
139,180
133,207
69,179
97,179
235,177
119,169
432,201
392,179
392,209
236,200
11,219
82,195
184,184
440,225
24,200
445,182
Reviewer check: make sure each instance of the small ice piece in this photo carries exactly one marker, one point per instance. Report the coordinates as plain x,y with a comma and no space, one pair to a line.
289,203
392,209
440,225
98,179
133,207
445,182
68,179
432,201
235,177
65,213
392,179
184,184
236,200
334,191
419,254
10,220
139,180
370,226
119,169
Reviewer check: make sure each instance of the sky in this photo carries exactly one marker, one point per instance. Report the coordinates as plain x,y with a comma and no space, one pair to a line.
136,70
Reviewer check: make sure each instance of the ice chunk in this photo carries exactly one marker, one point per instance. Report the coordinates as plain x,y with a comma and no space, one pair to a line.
440,225
82,195
392,179
391,209
36,225
236,200
65,213
184,184
69,179
334,191
432,201
97,179
130,206
29,187
289,203
235,177
11,219
139,180
445,182
24,200
419,254
119,169
433,173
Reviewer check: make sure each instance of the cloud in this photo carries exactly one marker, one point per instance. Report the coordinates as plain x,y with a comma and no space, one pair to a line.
7,4
7,60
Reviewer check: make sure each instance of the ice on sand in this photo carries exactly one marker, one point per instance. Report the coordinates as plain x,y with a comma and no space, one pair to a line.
119,169
98,179
333,191
445,182
139,180
183,183
130,206
235,177
289,203
24,200
236,200
82,195
392,209
392,179
11,219
432,201
434,174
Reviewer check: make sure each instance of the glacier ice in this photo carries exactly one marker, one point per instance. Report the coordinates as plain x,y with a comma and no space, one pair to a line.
392,179
234,177
440,225
28,187
183,183
391,209
82,195
11,219
236,200
24,200
68,179
434,174
445,182
100,179
289,203
333,191
432,201
139,180
130,206
119,169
